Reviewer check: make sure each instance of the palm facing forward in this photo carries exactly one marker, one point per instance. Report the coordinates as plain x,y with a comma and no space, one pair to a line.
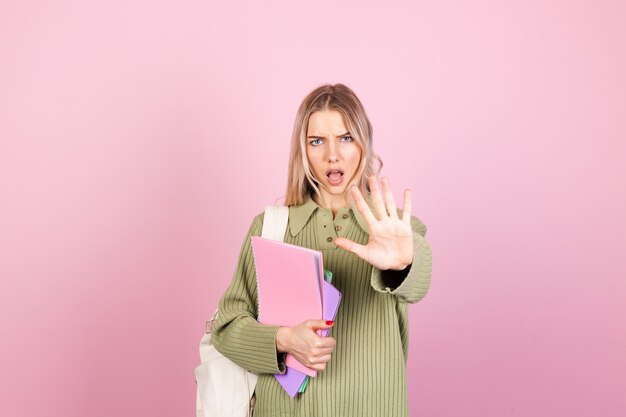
390,244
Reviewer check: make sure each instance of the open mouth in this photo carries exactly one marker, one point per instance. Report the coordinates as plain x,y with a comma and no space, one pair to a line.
335,176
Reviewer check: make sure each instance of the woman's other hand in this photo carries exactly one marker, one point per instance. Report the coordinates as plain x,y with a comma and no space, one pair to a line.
390,244
305,345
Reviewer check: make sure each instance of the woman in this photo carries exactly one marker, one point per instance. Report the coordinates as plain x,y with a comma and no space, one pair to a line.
379,260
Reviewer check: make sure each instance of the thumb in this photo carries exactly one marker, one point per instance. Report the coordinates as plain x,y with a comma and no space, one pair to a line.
319,324
351,246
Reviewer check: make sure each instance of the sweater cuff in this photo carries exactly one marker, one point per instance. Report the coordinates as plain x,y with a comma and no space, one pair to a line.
262,340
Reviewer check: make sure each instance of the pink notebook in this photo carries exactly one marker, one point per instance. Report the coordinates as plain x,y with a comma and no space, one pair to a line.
290,284
292,379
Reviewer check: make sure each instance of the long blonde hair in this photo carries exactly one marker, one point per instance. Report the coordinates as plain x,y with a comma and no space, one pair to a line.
300,180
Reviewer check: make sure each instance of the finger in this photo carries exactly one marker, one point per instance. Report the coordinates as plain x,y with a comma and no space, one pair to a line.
328,347
406,210
377,198
319,366
389,200
326,342
324,350
362,206
347,244
317,357
322,358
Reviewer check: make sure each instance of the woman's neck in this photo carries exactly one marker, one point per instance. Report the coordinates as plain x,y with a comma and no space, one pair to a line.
331,202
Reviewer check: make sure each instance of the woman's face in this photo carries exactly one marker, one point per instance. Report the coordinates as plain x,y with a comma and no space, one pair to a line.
333,155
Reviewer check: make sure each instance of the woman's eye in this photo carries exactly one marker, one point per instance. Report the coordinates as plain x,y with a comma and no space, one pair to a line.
346,139
315,142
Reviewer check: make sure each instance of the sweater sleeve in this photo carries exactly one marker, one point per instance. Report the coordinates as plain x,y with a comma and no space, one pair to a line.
412,283
237,334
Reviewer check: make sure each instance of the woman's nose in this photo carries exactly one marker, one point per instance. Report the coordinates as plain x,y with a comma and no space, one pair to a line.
333,152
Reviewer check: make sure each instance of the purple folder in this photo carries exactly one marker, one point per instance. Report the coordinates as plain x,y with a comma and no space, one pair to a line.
292,379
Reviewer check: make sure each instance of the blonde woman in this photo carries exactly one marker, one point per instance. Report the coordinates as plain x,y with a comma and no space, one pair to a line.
379,259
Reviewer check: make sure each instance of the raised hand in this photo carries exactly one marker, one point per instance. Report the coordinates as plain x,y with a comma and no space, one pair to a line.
390,244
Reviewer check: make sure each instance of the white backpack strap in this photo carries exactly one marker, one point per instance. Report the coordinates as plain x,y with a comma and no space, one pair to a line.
275,222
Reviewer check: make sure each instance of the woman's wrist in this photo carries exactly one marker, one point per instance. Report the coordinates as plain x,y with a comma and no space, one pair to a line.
282,337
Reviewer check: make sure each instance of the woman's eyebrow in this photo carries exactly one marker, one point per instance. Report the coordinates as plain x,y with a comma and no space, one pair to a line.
323,137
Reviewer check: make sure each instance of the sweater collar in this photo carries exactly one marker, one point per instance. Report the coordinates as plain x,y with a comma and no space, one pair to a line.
300,215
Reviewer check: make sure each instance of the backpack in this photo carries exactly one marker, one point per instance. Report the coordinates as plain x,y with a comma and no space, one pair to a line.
223,388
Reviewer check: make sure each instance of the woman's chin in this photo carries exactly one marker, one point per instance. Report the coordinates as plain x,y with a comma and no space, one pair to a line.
335,189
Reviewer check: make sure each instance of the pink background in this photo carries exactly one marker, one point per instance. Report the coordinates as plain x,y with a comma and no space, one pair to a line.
139,138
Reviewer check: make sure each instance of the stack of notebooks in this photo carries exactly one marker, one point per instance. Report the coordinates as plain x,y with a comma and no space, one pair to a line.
293,287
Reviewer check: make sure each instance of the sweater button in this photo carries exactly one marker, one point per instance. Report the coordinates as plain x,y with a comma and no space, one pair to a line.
345,216
329,239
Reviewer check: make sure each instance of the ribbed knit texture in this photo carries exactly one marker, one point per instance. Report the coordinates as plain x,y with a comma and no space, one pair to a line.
366,375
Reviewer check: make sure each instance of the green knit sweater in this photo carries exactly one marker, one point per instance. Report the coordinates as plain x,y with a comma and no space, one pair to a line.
366,375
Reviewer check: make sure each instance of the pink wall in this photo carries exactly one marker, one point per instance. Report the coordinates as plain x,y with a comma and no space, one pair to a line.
127,131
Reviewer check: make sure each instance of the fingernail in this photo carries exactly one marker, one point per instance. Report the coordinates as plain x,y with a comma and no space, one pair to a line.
329,322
